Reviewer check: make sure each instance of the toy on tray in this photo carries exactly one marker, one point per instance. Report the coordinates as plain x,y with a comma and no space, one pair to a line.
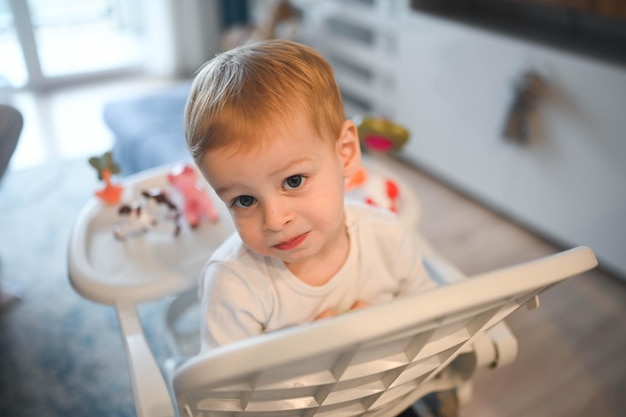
106,167
384,194
375,190
378,135
155,211
357,180
381,135
196,200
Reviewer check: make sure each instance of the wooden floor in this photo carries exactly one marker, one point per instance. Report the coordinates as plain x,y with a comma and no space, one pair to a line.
572,358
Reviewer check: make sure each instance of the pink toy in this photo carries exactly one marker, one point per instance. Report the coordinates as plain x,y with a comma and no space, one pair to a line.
196,202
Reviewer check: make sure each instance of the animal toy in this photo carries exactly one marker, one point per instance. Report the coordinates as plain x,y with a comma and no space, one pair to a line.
105,166
197,203
375,190
384,193
379,136
141,216
357,180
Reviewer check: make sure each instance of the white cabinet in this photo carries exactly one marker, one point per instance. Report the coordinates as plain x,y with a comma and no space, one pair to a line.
455,95
358,38
571,183
452,85
569,180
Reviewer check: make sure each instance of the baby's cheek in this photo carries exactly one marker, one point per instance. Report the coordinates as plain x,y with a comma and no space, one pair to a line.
252,239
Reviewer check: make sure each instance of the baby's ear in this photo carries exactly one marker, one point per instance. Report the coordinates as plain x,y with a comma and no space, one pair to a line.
349,148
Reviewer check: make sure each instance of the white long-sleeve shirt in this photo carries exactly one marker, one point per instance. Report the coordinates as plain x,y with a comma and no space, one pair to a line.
245,294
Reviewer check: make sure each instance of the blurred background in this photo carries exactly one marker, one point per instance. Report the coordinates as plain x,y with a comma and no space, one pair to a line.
517,114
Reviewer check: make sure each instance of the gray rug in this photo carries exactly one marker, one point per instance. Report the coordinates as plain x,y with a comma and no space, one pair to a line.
60,355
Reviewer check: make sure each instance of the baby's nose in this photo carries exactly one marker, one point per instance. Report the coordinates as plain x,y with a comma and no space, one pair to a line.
277,214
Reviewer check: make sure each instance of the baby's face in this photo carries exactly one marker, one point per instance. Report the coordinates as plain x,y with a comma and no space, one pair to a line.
286,197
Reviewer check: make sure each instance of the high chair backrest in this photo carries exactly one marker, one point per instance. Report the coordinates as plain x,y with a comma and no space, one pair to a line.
371,362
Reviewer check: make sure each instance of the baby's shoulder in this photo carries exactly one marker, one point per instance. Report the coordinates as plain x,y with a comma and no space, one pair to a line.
375,226
359,211
233,265
365,216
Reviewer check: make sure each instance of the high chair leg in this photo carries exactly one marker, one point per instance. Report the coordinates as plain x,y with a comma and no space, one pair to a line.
152,397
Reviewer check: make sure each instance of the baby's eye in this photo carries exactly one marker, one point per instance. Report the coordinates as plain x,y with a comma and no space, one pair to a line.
293,182
244,201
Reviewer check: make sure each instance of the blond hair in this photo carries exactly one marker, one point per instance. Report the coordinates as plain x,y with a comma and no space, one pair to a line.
243,93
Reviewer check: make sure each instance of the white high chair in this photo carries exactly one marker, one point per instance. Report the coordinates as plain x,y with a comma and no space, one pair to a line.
371,362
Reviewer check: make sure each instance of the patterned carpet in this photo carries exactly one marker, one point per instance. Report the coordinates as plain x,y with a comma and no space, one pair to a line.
60,355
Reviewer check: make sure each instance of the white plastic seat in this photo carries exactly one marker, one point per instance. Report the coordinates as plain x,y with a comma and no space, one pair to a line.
375,362
372,362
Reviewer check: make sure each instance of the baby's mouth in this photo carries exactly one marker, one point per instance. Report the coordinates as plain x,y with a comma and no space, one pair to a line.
291,243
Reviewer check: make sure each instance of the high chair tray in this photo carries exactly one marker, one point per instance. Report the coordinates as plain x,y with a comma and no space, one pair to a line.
144,267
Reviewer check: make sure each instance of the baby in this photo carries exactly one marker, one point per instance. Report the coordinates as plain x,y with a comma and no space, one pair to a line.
265,124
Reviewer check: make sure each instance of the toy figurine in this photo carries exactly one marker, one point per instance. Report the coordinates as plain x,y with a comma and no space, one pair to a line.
105,166
197,203
141,216
380,135
357,180
163,207
374,190
386,195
